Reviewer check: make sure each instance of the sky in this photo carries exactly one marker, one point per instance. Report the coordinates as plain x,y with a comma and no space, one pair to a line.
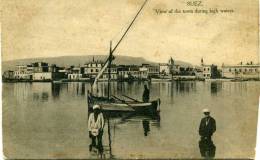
50,28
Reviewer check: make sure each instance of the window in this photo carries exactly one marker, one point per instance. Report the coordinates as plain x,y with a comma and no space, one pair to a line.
91,70
240,70
229,69
245,70
96,70
208,69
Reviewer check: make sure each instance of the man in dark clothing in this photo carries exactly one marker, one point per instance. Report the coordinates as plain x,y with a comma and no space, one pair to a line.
146,94
206,130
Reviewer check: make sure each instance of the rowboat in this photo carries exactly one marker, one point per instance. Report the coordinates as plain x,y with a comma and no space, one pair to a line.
117,105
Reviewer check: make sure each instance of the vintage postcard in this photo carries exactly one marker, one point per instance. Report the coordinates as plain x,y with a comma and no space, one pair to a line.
130,79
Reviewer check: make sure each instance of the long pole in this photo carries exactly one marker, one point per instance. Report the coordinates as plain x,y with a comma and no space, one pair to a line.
109,70
129,25
109,137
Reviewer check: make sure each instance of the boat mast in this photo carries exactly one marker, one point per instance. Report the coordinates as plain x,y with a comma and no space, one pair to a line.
109,70
111,51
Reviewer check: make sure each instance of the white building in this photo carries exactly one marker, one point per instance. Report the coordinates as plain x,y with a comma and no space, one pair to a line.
164,68
22,73
206,71
169,68
249,71
42,76
153,70
74,76
209,71
143,72
92,69
75,73
113,73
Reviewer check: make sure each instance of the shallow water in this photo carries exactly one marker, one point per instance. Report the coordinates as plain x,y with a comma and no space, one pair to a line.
45,120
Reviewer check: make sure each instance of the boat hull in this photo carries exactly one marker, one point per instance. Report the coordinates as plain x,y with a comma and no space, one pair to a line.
111,105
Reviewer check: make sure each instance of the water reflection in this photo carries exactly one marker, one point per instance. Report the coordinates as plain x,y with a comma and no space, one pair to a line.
146,126
74,88
185,87
215,87
83,89
55,89
207,148
43,96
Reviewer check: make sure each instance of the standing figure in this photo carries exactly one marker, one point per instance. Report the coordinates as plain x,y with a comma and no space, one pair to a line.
206,129
146,94
95,127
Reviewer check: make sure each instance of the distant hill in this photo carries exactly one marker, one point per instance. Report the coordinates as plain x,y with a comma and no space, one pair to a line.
80,60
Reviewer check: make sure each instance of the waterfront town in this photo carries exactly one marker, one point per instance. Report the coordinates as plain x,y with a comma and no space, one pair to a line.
44,72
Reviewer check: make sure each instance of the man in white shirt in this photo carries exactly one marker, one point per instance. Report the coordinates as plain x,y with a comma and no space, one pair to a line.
95,126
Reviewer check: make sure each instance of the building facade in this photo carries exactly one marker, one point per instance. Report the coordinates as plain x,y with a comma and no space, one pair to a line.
75,73
40,67
113,73
164,69
248,71
209,71
152,70
143,72
22,73
169,68
8,75
91,69
42,76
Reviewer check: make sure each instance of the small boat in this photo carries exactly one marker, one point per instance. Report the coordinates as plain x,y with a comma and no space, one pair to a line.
161,79
115,104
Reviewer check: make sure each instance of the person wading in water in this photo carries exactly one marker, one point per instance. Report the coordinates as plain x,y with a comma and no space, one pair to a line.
206,129
146,94
95,126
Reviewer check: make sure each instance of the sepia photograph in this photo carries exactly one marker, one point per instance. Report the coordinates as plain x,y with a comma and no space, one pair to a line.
130,79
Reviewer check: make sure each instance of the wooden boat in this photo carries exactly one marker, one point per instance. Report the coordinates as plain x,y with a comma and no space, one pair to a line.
117,105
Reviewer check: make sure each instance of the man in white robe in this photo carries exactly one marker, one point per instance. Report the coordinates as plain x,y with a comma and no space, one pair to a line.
95,126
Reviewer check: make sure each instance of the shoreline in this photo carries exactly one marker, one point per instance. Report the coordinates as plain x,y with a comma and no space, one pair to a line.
143,80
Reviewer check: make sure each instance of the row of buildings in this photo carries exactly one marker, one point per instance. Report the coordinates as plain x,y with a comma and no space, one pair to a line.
41,71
